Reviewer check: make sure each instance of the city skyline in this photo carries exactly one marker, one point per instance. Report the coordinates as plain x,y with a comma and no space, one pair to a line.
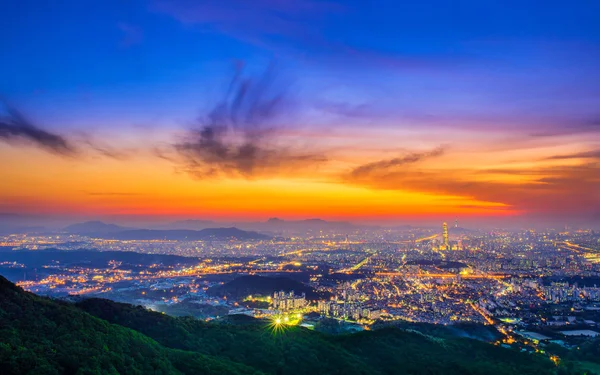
369,113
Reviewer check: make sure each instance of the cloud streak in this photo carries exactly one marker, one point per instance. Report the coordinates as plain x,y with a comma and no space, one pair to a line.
14,127
390,164
593,154
238,136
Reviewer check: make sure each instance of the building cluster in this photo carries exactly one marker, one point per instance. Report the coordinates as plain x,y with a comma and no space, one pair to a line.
559,292
349,310
348,304
286,302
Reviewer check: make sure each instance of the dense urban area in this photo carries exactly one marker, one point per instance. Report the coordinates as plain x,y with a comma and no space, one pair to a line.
538,290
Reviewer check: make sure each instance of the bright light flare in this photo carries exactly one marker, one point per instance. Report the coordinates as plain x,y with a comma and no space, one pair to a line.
277,325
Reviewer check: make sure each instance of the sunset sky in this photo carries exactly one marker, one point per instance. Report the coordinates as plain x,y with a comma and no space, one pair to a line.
367,111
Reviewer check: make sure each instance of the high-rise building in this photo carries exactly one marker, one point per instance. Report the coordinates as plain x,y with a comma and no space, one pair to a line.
288,301
445,234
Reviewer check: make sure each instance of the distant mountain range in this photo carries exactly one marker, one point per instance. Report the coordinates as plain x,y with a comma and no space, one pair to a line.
273,225
196,229
99,229
186,235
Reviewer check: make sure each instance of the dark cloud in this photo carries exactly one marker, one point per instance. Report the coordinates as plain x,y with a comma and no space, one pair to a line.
238,137
385,166
594,154
14,127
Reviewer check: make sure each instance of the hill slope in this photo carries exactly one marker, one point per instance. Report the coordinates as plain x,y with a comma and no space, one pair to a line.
42,336
299,351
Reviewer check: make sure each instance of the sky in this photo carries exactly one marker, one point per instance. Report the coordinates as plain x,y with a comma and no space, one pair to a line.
378,111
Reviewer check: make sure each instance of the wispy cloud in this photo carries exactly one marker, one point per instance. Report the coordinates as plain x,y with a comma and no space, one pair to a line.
15,128
238,137
593,154
389,165
105,150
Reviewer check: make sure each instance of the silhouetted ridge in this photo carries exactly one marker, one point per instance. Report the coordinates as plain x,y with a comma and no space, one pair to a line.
186,235
6,286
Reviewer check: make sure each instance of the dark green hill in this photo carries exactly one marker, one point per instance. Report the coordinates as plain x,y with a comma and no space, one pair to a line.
42,336
300,351
95,336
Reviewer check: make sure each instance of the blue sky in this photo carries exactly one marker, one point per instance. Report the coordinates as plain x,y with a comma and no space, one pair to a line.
141,53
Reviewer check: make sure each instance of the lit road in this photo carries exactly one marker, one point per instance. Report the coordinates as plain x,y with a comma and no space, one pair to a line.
572,246
356,266
427,238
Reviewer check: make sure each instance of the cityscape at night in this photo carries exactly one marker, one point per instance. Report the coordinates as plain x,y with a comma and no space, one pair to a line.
531,288
292,187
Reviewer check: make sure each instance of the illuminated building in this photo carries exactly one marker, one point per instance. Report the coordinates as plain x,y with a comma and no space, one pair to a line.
288,301
349,310
445,234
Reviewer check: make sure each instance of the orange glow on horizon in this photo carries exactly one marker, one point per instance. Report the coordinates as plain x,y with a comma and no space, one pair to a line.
146,185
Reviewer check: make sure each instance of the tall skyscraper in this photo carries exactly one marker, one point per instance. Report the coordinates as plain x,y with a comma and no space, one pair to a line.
445,234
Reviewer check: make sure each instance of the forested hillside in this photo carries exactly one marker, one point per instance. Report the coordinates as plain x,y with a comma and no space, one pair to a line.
43,336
